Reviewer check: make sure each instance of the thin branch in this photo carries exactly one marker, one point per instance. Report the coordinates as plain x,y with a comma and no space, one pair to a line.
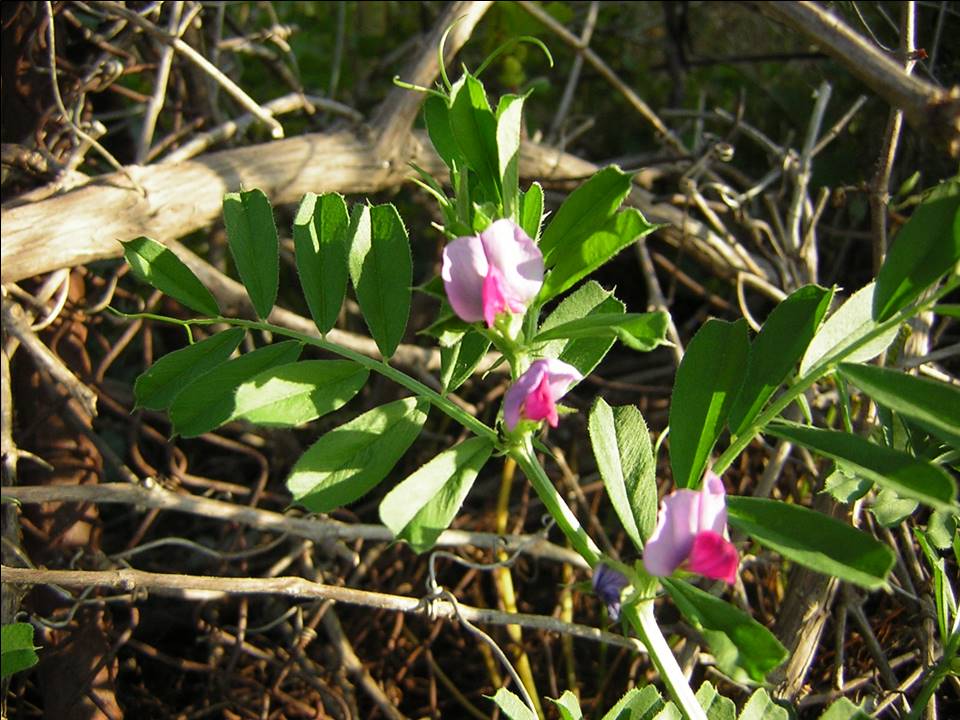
609,75
15,324
276,130
203,588
932,111
316,529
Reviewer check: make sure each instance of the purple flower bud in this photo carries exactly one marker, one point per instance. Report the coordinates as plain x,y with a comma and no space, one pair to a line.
691,529
607,585
535,393
498,271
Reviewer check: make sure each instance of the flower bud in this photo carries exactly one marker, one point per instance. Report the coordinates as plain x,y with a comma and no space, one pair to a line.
535,394
608,584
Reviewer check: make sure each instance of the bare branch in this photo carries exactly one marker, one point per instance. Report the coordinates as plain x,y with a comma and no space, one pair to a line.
199,588
928,109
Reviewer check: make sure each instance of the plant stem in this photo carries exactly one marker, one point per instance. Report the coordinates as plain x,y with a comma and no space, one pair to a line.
641,617
800,385
555,504
937,675
378,366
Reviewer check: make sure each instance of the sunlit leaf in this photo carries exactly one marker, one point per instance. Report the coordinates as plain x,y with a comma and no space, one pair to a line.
350,460
707,381
159,386
160,267
252,236
320,243
813,540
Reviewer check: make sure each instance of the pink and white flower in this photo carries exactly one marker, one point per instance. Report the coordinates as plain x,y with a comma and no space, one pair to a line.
691,532
498,271
535,394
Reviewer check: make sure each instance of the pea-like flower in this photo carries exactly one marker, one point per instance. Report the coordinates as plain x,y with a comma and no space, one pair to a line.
608,584
498,271
691,531
535,394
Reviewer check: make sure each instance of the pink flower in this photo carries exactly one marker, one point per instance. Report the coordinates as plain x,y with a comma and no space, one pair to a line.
691,528
498,271
535,393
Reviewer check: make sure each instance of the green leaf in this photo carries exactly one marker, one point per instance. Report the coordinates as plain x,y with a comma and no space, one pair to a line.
946,603
350,460
568,706
474,128
423,505
845,487
159,386
707,381
926,247
715,705
254,244
637,704
639,331
586,211
575,259
294,394
436,115
17,651
848,325
776,350
583,353
458,361
208,401
160,267
531,210
320,243
947,309
761,707
509,116
745,646
843,709
669,712
511,705
908,476
621,445
382,273
932,404
813,540
890,509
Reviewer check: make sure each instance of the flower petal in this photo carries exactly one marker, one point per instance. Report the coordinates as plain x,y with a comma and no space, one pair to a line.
713,504
517,393
463,271
539,404
714,556
562,376
509,249
673,537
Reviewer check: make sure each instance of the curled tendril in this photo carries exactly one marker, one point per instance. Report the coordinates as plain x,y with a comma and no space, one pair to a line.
509,44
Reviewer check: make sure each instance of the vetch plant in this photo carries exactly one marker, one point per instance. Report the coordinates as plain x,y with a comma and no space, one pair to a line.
500,269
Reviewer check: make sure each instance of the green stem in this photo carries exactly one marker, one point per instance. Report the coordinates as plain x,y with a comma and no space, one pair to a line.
642,619
555,504
378,366
801,384
937,675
